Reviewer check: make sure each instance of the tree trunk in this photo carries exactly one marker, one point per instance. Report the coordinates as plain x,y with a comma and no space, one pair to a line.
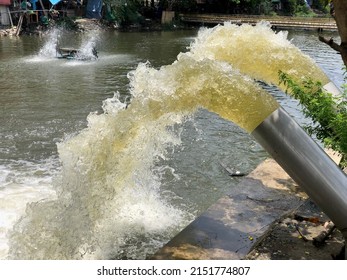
339,12
341,21
340,7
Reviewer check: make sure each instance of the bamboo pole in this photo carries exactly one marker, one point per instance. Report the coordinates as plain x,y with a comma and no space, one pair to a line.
19,26
9,15
43,8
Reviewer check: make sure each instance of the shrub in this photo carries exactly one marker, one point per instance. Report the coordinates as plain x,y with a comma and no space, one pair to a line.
328,113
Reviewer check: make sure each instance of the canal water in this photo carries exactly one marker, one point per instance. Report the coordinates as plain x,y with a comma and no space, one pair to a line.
47,102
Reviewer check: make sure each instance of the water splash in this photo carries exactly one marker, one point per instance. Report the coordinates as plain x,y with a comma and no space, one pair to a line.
21,182
107,193
109,187
88,45
48,50
257,51
109,201
55,37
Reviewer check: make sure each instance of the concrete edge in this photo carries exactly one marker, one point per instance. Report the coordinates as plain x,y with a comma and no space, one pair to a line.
231,227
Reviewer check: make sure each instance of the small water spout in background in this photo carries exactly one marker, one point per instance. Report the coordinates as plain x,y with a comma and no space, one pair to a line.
86,46
48,50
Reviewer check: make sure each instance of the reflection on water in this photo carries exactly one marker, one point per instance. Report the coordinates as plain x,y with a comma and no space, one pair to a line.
49,100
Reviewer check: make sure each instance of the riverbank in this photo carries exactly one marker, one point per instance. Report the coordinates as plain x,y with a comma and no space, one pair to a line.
8,31
192,20
277,22
78,25
267,217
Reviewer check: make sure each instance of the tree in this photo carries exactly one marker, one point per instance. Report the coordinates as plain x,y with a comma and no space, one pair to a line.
180,5
168,4
328,113
124,12
339,12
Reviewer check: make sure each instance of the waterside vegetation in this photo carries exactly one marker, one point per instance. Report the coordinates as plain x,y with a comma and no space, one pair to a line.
327,112
150,13
126,13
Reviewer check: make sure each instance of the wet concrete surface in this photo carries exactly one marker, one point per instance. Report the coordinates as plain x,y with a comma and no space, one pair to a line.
230,228
267,216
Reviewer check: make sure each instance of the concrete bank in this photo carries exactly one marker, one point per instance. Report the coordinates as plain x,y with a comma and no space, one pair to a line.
266,217
280,22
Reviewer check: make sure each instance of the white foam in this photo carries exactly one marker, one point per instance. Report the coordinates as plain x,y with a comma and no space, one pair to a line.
14,198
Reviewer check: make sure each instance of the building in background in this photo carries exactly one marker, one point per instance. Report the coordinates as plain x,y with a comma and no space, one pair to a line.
5,16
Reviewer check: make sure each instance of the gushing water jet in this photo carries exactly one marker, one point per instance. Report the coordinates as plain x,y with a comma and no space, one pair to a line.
258,52
108,186
278,133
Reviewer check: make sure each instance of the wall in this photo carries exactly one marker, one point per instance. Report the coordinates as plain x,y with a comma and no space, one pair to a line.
4,16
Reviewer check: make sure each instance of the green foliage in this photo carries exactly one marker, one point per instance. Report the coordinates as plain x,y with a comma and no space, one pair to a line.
184,6
300,8
289,7
124,12
328,113
67,23
320,4
257,6
304,11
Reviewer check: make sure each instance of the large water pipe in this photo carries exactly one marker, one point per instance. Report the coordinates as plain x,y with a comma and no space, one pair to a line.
307,163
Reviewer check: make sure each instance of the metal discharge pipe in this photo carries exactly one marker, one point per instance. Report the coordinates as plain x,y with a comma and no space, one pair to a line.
307,163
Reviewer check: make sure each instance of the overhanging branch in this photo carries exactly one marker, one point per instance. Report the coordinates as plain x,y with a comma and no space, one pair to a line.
331,43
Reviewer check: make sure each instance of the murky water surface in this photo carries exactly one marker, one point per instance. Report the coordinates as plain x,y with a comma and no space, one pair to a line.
45,101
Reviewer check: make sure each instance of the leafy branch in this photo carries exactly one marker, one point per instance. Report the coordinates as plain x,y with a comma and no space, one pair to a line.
327,112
